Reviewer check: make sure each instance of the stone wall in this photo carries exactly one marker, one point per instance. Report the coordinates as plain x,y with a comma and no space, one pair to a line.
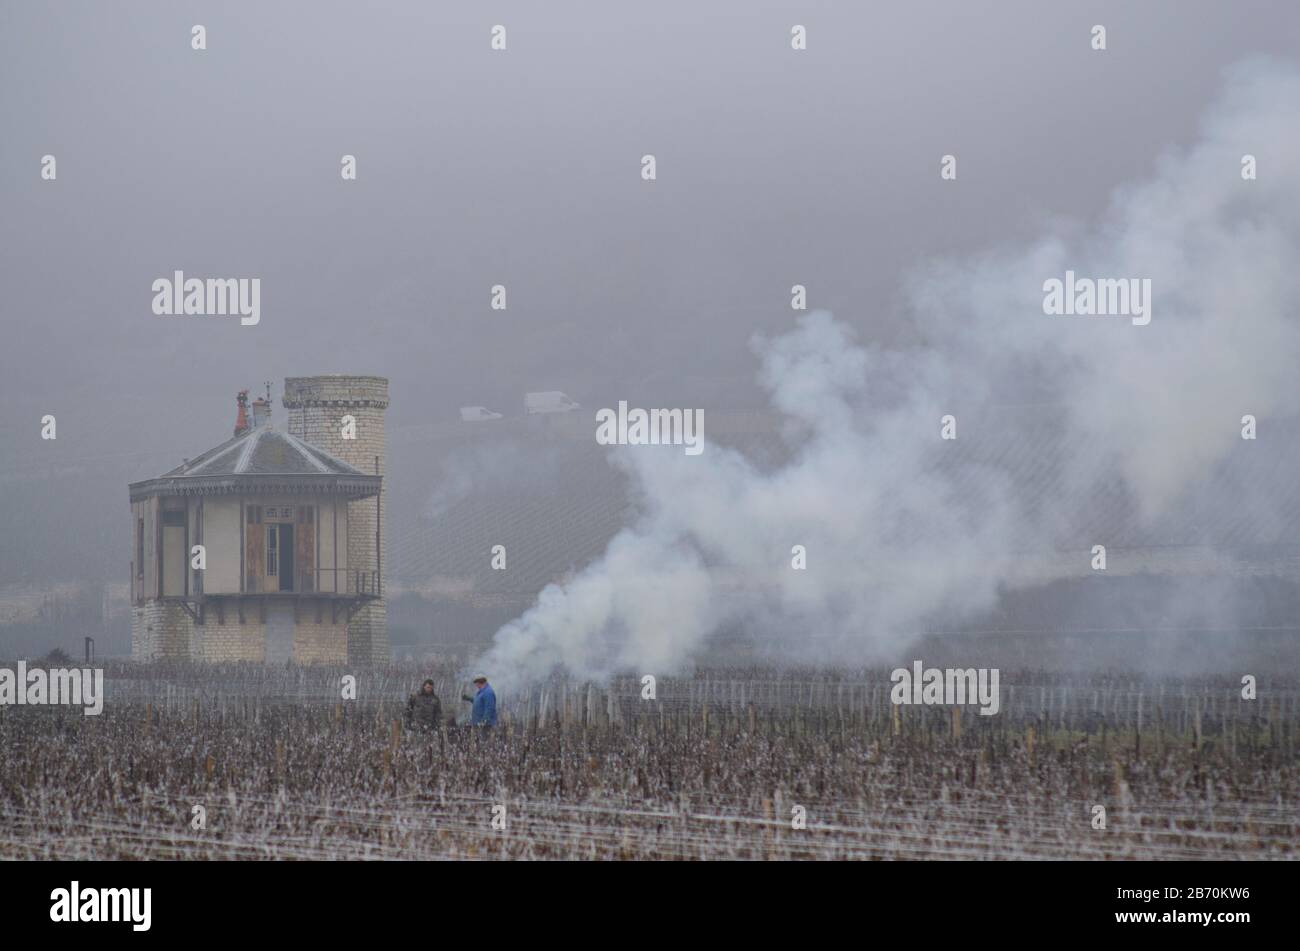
319,642
228,640
161,630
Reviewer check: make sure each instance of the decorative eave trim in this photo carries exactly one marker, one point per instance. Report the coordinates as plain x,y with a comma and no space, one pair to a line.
299,403
351,487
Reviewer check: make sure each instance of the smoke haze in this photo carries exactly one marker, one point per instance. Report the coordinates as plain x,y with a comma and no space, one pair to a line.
902,528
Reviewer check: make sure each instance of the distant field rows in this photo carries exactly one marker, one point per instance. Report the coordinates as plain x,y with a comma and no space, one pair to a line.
717,773
1121,701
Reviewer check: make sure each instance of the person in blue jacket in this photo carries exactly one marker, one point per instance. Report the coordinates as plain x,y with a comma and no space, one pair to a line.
484,711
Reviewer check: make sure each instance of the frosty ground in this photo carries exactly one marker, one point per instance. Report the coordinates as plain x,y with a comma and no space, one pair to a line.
719,765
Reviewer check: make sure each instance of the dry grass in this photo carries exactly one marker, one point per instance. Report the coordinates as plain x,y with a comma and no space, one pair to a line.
713,769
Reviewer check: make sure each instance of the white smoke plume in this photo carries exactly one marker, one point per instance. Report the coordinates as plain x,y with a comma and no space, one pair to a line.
901,526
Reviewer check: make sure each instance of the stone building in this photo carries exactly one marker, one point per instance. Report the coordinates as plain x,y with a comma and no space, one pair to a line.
290,533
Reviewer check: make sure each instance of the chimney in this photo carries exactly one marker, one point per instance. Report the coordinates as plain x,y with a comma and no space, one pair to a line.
262,409
241,421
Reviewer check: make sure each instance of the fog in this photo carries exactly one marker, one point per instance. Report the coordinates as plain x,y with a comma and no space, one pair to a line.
775,168
897,534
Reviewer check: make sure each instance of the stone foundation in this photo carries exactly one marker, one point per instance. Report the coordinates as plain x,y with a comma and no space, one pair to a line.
165,631
161,630
320,642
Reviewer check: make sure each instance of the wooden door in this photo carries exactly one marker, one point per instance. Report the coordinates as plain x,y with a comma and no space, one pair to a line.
254,549
305,547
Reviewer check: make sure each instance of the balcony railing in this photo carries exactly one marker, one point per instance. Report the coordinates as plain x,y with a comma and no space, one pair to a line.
348,582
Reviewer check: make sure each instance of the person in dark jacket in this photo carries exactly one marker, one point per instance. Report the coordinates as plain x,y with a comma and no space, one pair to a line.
424,709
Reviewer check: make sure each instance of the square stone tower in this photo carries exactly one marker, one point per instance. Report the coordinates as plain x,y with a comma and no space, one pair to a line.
317,406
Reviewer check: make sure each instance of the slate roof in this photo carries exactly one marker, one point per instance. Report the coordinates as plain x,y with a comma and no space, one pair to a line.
263,459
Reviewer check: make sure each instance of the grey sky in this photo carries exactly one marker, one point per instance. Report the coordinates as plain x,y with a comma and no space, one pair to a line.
522,168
